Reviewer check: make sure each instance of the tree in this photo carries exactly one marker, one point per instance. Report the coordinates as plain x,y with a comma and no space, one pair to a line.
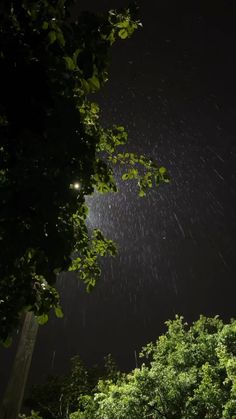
190,372
54,151
60,395
14,392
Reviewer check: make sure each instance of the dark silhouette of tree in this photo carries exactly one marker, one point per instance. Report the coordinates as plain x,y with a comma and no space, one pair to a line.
60,395
53,150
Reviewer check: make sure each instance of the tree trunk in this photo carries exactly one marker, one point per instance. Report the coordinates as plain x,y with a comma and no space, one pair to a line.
12,400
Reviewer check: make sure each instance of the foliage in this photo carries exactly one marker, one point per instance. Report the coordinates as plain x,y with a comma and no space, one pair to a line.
61,395
190,372
53,150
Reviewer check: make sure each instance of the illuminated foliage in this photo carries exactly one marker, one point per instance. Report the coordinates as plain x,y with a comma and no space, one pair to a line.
190,372
53,150
61,395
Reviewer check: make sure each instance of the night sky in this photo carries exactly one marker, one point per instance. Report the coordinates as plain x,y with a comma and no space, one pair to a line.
173,86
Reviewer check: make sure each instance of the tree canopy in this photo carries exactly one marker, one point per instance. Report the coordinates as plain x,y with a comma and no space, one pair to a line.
54,151
60,395
189,372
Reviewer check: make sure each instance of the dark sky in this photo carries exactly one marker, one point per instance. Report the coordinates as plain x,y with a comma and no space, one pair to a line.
173,86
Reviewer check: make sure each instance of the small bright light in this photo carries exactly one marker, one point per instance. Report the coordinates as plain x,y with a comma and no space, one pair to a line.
76,185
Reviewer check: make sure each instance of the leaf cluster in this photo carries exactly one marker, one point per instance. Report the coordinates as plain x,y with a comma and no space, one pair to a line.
62,395
190,372
54,151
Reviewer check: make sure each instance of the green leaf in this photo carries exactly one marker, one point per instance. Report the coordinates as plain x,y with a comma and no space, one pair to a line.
123,24
42,319
59,312
123,33
52,37
111,37
162,170
69,63
94,83
7,342
141,193
157,179
85,85
29,255
164,175
166,179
